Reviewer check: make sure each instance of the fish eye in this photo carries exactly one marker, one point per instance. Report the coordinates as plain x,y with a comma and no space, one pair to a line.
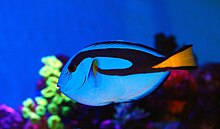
72,68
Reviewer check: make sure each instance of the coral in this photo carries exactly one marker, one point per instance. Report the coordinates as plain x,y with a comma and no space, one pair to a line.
57,99
41,101
65,110
41,84
9,118
188,99
125,114
26,112
40,110
35,118
175,106
52,108
54,122
109,124
28,103
181,88
52,66
206,111
167,45
173,102
48,92
44,111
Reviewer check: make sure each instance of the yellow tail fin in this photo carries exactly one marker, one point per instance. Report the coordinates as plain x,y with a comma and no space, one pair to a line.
182,58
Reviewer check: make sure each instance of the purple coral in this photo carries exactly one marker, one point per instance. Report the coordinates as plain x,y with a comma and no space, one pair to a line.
207,113
62,58
41,84
109,124
9,118
127,112
127,115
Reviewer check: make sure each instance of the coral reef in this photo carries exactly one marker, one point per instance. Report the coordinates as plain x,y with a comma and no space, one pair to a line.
167,45
9,118
206,113
187,100
45,111
126,116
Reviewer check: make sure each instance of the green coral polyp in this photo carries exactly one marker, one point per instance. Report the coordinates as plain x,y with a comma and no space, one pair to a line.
54,86
40,110
34,118
52,66
50,103
46,71
54,122
28,103
56,72
48,92
26,112
65,98
52,61
57,99
65,110
52,80
52,108
41,101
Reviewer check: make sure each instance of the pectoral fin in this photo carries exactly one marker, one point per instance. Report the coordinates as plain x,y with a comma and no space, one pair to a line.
94,67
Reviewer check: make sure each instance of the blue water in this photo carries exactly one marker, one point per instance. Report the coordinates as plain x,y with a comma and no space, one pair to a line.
31,29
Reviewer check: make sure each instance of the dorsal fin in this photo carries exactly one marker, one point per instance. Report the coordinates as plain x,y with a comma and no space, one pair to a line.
123,45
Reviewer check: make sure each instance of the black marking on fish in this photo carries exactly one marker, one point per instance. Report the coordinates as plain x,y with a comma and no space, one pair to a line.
141,61
82,83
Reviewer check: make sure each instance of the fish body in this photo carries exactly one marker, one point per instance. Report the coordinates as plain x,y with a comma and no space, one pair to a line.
117,71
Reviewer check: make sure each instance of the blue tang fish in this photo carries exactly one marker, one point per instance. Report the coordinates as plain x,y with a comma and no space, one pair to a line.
117,71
